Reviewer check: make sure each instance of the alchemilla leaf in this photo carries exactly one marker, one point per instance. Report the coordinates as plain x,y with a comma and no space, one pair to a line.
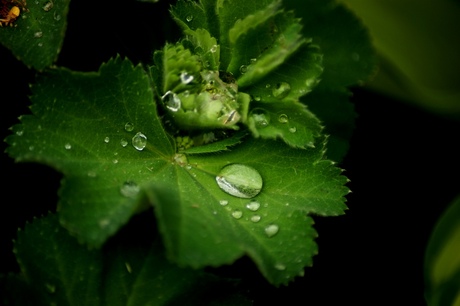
57,270
258,57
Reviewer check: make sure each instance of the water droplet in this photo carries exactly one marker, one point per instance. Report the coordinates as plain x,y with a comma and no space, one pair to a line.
48,6
310,83
189,18
129,127
186,78
180,159
254,205
253,60
243,69
213,49
257,98
38,34
40,44
283,118
237,214
281,90
261,117
129,189
115,161
280,267
171,101
106,139
223,202
271,230
293,129
19,133
268,86
123,142
139,141
56,17
68,146
256,218
240,181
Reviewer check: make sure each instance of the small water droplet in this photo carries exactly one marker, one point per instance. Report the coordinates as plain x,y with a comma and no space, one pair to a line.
253,60
293,129
240,181
31,148
48,6
283,118
92,174
139,141
129,127
257,98
243,69
129,189
261,117
253,205
310,83
171,101
255,218
271,230
189,18
186,78
115,161
20,133
40,44
280,267
106,139
123,142
268,86
237,214
56,17
223,202
281,90
68,146
213,49
38,34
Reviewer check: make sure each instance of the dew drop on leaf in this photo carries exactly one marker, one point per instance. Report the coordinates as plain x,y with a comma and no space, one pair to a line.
129,189
283,118
293,129
171,101
237,214
223,202
38,34
129,127
48,6
280,267
271,230
261,117
186,78
281,90
243,69
213,49
106,139
139,141
68,146
253,205
189,18
123,142
255,218
240,181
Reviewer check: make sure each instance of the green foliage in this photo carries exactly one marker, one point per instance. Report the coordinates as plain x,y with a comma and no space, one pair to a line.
442,263
218,136
37,35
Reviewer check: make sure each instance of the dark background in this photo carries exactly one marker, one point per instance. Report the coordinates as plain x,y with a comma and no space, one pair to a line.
403,165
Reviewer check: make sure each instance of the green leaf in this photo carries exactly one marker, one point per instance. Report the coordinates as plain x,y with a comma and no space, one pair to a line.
86,125
203,225
37,35
442,263
60,271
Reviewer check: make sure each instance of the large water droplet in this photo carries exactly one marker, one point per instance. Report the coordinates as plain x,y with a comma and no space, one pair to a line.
281,90
186,78
240,181
254,205
271,230
261,117
129,127
129,189
237,214
139,141
171,101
